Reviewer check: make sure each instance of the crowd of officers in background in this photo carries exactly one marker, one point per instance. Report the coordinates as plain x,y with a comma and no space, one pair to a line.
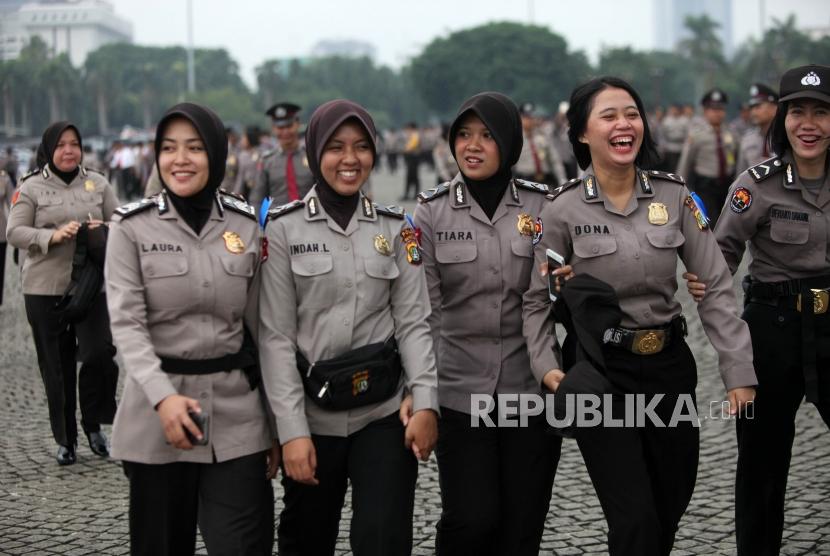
703,146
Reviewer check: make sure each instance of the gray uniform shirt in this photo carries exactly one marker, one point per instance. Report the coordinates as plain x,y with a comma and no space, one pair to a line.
700,152
549,160
326,291
247,174
635,254
6,195
673,132
751,150
175,294
477,271
44,203
270,179
787,227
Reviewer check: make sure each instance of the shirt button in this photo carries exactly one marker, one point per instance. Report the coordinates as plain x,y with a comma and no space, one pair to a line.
385,271
345,322
345,246
628,226
647,314
492,233
203,395
312,268
495,270
457,257
818,213
205,284
789,235
636,255
349,283
199,246
595,249
495,305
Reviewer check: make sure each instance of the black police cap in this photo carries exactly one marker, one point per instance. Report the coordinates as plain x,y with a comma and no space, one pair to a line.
759,93
812,81
283,113
714,98
527,109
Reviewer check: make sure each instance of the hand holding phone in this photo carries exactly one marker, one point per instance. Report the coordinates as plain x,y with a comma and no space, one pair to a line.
555,260
201,421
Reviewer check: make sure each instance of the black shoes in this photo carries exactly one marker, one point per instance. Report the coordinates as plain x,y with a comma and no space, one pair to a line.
66,455
98,444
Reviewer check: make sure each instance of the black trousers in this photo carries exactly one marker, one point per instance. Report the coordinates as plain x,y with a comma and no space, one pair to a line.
412,184
495,485
382,473
712,192
765,438
2,269
59,346
644,477
232,501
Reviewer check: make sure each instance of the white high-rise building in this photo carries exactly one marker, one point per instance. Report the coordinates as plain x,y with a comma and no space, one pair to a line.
76,27
669,28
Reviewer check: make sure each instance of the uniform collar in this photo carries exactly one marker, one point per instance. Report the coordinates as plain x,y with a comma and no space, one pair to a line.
790,181
460,198
167,211
314,211
459,194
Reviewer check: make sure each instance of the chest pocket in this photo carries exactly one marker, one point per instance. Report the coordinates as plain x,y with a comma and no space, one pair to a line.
451,253
91,198
590,247
50,211
789,232
165,281
379,271
662,260
521,263
233,283
314,281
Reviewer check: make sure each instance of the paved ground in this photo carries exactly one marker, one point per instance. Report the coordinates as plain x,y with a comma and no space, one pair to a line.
82,509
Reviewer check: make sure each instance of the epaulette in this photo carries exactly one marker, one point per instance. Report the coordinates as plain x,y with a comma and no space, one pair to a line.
667,176
28,175
767,168
237,205
556,192
393,211
532,185
130,209
282,210
266,154
232,194
434,193
93,170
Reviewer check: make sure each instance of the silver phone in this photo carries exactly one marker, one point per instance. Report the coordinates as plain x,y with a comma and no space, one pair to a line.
555,260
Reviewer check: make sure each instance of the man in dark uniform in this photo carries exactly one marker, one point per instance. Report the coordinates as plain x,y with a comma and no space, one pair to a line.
708,158
283,173
763,105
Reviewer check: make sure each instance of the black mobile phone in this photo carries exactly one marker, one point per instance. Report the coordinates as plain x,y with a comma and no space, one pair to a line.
202,420
555,260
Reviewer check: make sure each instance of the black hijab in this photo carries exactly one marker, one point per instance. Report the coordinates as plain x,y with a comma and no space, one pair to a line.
501,117
48,144
322,125
195,210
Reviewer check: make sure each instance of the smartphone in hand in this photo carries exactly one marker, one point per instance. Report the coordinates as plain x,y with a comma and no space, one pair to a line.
555,260
201,420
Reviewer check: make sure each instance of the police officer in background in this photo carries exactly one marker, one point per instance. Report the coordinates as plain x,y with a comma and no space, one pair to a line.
538,161
283,173
674,127
6,194
182,283
343,329
47,212
763,104
781,207
477,234
627,226
708,158
249,155
232,162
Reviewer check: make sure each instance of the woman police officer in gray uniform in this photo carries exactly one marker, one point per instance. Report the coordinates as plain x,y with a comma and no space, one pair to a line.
627,226
48,209
182,282
477,234
342,329
781,207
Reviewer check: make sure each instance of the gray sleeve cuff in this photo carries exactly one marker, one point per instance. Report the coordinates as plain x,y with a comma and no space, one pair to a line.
158,388
424,397
546,362
289,428
43,238
739,376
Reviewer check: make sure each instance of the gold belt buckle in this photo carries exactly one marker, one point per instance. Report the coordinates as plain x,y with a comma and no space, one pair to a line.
821,300
647,342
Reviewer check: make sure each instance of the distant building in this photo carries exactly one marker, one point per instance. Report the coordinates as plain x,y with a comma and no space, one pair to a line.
670,15
343,47
817,33
76,27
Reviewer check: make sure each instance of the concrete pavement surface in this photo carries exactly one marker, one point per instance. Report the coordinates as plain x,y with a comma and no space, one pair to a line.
82,509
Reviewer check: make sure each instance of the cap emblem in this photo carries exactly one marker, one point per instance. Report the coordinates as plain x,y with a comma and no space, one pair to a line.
716,96
811,79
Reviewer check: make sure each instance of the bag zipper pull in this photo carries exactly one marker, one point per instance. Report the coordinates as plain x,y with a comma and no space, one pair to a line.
323,390
308,372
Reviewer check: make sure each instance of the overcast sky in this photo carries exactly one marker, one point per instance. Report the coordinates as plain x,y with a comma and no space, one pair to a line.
255,30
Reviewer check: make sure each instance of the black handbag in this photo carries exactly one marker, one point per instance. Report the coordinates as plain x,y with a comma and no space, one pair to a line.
87,274
360,377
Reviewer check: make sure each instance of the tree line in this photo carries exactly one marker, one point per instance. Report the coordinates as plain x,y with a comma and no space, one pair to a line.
123,84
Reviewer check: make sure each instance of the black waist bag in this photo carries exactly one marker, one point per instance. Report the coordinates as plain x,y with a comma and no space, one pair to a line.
87,274
362,376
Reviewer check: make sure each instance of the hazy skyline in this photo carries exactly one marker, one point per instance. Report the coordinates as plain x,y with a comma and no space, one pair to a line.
254,31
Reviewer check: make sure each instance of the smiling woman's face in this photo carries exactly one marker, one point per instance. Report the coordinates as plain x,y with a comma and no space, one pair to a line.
614,130
183,160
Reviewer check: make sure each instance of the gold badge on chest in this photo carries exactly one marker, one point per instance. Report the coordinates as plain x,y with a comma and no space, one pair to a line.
382,245
525,225
233,243
658,214
89,185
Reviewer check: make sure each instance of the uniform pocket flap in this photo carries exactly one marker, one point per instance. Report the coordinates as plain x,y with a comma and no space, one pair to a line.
594,246
665,239
49,200
162,266
455,252
794,233
522,247
383,268
239,265
311,265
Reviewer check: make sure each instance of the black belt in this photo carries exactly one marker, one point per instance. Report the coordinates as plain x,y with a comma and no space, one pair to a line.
245,359
646,341
808,296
